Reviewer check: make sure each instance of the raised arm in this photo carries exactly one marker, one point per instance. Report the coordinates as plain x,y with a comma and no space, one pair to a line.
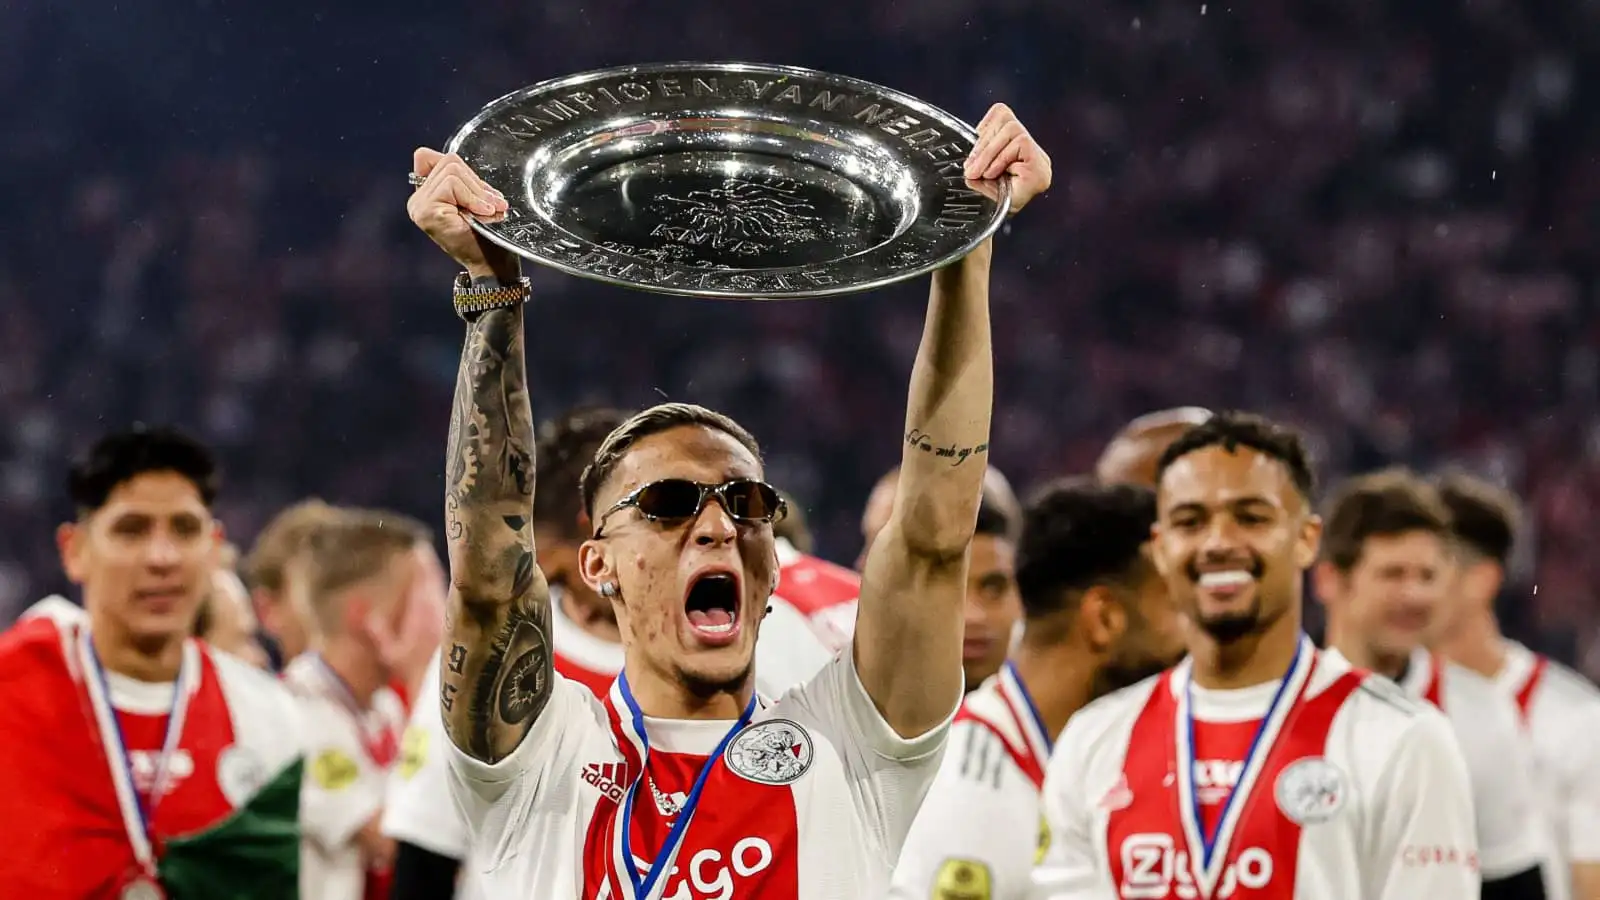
495,669
908,627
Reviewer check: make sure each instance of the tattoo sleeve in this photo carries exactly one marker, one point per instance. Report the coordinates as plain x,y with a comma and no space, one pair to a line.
496,670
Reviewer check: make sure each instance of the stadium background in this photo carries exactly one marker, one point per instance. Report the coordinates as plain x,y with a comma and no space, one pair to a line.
1374,218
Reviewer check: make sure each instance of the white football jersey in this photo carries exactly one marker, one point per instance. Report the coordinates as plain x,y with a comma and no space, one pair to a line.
1331,785
979,832
1560,712
419,810
348,757
809,801
1513,834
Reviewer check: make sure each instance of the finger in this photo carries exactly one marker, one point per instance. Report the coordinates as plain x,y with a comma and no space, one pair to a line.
986,129
423,159
452,165
982,164
1010,153
458,191
992,118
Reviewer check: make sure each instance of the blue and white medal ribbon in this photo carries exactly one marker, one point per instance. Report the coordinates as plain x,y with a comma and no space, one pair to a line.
650,884
1207,852
137,816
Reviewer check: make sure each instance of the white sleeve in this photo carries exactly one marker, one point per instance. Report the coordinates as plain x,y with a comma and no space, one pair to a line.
1070,869
342,789
418,809
889,775
974,836
1579,808
1424,842
495,799
1511,835
788,653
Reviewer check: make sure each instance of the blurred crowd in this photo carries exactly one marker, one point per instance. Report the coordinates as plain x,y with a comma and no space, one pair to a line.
1371,218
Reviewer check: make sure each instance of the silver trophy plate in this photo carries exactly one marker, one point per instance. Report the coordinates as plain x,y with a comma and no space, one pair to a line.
729,180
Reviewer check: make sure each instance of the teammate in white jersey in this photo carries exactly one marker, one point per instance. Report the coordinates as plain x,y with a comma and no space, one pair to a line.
1558,708
1259,767
1098,618
1381,581
432,837
686,783
993,611
374,616
135,761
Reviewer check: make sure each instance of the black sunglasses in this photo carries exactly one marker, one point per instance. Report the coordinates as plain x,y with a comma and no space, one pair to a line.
677,499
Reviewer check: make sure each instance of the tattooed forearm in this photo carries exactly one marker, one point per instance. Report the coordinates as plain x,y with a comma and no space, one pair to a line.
957,455
497,673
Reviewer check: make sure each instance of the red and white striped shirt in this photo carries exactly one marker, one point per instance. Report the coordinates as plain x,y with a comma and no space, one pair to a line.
809,800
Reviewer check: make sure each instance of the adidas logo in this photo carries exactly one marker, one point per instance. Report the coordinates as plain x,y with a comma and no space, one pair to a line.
607,777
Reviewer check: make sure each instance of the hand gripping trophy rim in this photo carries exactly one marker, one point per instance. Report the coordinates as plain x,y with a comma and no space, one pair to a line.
729,180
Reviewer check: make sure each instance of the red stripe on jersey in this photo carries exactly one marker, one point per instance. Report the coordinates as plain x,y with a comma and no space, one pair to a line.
1147,851
194,801
1022,757
70,844
744,840
403,691
1434,691
1531,686
599,682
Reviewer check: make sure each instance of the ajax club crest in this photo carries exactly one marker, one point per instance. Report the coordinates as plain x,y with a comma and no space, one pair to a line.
776,751
1311,790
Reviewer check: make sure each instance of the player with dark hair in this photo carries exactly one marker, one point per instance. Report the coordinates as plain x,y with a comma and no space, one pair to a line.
1557,708
136,761
432,838
1294,774
992,613
1098,618
685,779
1382,579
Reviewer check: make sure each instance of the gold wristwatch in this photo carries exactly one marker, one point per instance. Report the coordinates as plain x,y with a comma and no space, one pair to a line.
471,300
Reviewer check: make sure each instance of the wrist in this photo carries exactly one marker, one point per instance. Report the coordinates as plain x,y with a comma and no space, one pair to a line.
504,268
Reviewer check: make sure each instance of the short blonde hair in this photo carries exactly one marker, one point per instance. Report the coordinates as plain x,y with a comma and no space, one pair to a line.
348,551
282,539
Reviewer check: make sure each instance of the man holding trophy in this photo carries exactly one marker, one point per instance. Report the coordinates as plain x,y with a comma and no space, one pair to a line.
683,782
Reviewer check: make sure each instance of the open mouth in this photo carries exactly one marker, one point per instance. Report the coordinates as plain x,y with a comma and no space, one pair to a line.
712,606
1227,582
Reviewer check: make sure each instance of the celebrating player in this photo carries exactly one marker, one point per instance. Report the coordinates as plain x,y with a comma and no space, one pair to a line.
1098,618
1559,708
1382,579
136,763
433,840
697,786
1259,767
